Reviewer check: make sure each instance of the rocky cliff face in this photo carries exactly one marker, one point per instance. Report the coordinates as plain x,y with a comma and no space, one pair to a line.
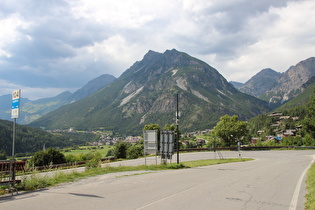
290,84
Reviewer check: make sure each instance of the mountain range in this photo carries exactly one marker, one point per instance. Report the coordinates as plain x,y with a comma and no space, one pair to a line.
278,88
32,110
290,84
146,94
260,83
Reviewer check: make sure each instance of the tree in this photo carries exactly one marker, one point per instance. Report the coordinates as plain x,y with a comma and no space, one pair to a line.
229,129
309,121
120,149
51,156
169,127
95,161
152,127
135,151
3,155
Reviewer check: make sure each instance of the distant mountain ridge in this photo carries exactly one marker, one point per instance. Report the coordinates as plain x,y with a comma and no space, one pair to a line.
237,85
290,84
31,110
91,87
260,83
278,88
146,93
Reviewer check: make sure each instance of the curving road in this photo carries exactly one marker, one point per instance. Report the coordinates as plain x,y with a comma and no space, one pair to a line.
274,180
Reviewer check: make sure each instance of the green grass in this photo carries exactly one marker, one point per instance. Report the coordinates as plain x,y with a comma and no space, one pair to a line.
199,163
35,181
310,187
87,149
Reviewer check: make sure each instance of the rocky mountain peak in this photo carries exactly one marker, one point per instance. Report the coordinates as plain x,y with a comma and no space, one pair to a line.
290,83
260,83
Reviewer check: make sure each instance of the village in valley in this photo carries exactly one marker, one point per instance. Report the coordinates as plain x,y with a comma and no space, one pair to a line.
281,126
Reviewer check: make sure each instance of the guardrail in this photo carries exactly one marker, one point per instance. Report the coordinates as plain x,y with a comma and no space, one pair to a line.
244,148
21,166
6,170
6,177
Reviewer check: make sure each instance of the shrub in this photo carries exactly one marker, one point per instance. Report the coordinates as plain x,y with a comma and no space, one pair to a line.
3,155
135,151
95,161
70,158
308,141
110,153
292,141
120,149
212,142
51,156
270,143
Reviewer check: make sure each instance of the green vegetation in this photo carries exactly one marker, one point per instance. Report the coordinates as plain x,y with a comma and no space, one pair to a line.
127,150
310,186
208,97
30,140
199,163
120,150
300,118
230,130
135,151
3,155
49,157
35,181
301,99
94,161
83,150
309,121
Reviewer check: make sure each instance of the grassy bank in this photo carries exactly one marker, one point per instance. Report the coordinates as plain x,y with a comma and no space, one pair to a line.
33,182
103,150
310,187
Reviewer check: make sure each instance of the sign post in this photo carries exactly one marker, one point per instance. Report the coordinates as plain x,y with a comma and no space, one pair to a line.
15,113
167,145
150,143
177,129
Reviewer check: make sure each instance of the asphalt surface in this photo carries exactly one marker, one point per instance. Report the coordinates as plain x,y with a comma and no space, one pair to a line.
274,180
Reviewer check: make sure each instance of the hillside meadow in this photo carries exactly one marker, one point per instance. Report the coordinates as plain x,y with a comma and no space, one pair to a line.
103,150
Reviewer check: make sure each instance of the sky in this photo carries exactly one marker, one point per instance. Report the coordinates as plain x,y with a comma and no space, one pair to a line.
51,46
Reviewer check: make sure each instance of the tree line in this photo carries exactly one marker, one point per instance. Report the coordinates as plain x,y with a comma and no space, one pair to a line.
29,140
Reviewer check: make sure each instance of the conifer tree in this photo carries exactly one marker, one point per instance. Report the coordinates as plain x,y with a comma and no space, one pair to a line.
309,121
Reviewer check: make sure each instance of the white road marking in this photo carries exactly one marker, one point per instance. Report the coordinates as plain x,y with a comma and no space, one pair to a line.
296,193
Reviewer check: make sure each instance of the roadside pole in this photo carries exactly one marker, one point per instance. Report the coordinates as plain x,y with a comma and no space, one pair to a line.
15,113
177,129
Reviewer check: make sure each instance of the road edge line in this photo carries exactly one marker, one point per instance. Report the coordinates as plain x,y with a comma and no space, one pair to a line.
297,189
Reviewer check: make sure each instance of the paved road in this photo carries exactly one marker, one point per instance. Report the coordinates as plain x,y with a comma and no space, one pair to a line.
273,181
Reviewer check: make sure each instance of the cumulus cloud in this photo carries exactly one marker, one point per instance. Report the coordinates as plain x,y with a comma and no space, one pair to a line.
61,45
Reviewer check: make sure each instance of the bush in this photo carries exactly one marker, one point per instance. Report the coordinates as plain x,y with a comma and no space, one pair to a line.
120,149
270,143
292,141
51,156
71,158
135,151
110,153
82,157
308,141
214,142
3,155
95,161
